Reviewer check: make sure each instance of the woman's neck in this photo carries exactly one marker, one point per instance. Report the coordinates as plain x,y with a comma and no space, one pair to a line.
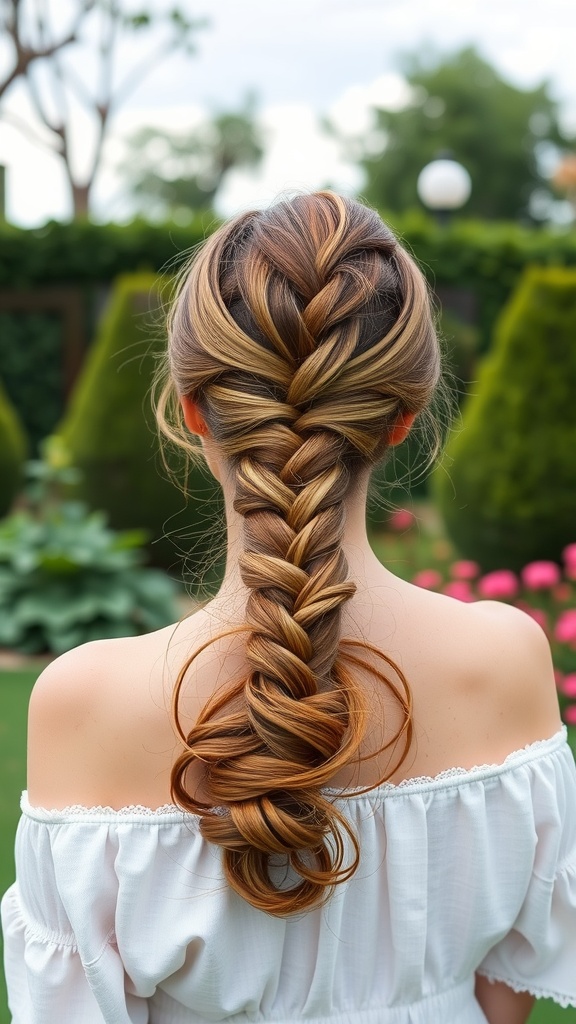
362,562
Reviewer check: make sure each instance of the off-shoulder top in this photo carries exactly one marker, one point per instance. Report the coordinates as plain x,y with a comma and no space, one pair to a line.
124,917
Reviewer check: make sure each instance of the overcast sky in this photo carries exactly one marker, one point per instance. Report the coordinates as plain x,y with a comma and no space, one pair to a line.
304,58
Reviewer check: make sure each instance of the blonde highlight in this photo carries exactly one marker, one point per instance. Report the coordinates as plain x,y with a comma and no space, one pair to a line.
302,333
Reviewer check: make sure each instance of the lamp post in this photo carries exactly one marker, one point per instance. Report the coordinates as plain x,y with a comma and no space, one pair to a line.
444,186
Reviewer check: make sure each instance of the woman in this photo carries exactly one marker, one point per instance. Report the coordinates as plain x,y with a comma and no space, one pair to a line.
293,840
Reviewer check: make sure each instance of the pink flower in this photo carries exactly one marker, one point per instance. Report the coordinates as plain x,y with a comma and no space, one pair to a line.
569,556
498,584
565,630
428,579
570,714
465,570
540,575
460,589
401,520
563,592
568,685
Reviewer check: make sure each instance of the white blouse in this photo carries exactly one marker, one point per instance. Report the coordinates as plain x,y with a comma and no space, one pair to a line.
124,917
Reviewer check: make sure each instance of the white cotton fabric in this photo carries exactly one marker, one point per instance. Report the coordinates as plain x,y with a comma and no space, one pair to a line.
123,917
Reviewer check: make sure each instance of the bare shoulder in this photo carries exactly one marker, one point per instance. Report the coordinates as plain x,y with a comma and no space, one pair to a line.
482,680
511,662
91,717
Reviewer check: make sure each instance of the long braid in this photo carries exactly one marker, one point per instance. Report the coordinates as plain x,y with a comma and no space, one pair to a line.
296,332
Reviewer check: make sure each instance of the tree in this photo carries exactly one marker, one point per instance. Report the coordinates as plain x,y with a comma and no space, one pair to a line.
58,80
496,130
27,37
175,174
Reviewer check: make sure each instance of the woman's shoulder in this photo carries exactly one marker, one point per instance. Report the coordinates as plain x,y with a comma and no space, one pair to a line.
493,674
99,719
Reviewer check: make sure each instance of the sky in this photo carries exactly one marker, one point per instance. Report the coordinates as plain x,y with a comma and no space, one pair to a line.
304,59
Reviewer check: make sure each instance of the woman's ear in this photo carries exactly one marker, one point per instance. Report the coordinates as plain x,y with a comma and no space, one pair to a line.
193,418
401,428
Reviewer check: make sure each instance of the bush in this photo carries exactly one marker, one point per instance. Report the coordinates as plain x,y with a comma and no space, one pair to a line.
509,496
12,452
83,253
31,366
110,432
66,578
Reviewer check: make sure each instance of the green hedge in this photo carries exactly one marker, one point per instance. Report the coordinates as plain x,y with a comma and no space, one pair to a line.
31,369
509,496
110,432
12,452
484,258
86,253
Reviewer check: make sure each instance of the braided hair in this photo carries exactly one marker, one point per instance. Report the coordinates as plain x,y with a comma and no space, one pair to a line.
303,333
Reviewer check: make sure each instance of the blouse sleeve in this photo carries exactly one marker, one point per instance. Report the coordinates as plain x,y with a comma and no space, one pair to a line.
48,979
539,954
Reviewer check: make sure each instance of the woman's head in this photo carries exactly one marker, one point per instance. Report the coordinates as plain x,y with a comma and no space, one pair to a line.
303,337
308,316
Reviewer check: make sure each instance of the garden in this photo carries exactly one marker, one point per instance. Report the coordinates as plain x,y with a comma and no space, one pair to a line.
96,540
106,533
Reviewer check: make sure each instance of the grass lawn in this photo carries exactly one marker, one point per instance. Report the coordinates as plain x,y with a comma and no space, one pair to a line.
14,692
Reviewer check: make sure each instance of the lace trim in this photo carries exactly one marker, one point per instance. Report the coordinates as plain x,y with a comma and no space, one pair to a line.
534,990
515,758
173,813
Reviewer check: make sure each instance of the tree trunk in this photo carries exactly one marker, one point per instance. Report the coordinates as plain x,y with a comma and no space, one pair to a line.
81,200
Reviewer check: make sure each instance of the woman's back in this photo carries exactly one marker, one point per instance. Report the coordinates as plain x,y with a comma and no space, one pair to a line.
481,680
301,349
462,877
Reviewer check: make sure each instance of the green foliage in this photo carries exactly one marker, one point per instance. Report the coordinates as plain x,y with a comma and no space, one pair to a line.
176,174
12,452
110,431
31,367
460,103
484,259
66,578
509,496
83,253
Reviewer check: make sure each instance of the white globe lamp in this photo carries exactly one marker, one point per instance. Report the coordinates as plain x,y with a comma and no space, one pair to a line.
444,186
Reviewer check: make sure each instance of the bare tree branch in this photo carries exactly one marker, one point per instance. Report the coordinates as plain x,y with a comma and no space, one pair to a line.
26,53
26,129
64,81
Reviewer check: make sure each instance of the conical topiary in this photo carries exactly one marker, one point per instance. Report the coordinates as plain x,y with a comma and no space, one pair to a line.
509,495
13,450
110,432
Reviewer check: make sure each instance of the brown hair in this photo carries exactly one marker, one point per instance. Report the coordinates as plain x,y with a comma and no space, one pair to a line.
303,333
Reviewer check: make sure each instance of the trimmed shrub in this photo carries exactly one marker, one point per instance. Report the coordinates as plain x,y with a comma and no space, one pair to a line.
111,435
32,371
12,452
509,496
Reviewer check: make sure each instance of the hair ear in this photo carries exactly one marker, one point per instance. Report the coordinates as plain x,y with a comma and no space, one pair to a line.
193,418
401,428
